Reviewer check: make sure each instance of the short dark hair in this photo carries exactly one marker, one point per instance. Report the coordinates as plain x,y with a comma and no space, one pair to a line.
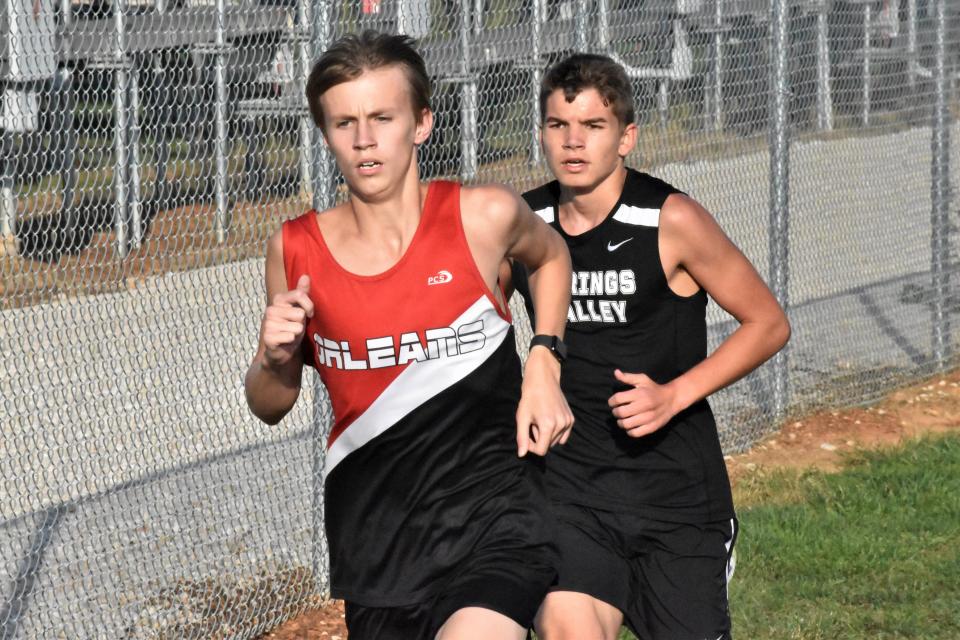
349,56
582,71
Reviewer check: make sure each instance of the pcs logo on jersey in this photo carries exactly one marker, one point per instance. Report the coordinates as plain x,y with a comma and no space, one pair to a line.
442,342
442,277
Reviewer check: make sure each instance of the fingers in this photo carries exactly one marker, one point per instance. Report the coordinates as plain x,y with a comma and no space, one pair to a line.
284,321
285,313
562,427
280,332
540,439
294,298
303,287
279,339
299,296
543,433
642,431
632,407
636,380
523,432
636,420
303,283
632,379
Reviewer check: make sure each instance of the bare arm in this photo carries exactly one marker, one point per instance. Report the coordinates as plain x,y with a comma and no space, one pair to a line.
541,249
272,383
507,228
693,245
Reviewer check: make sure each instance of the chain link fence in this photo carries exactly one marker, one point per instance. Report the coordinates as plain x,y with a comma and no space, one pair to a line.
151,146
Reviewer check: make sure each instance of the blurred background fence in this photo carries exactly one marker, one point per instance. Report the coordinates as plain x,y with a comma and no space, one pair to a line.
149,147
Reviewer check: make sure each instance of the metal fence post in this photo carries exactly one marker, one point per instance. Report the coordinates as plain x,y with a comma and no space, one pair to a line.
717,94
68,144
824,95
912,45
478,17
321,176
8,203
468,99
779,187
867,60
321,173
536,75
133,153
121,94
580,26
940,195
220,123
302,68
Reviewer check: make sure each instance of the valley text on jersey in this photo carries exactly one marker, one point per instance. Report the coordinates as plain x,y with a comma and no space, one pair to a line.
598,296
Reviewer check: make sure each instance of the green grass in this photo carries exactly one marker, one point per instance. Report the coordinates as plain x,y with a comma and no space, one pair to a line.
872,552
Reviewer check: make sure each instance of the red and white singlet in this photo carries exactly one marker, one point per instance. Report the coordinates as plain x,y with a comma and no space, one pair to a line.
424,381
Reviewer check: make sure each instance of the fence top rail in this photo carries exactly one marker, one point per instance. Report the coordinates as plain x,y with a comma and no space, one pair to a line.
150,30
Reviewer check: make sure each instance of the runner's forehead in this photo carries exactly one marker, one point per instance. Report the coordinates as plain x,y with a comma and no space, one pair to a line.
587,105
374,90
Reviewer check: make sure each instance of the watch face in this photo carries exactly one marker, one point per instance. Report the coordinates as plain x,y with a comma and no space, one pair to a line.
560,348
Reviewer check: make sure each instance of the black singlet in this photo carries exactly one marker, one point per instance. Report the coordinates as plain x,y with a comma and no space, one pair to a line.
624,315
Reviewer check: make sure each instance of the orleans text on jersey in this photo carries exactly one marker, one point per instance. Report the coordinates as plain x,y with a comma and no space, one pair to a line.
386,351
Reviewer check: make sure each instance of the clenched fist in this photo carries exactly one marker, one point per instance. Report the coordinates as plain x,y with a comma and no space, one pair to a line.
284,323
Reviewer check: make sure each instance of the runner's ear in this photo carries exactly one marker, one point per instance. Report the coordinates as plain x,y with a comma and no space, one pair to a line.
424,127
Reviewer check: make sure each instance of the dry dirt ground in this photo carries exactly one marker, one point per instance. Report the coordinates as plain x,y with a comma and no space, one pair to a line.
819,440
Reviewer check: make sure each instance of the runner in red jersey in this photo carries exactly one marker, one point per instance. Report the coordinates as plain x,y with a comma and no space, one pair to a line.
435,515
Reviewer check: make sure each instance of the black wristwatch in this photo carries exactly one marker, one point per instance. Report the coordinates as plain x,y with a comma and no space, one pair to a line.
555,344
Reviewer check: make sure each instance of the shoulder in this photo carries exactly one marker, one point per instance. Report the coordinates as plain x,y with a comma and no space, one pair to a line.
298,225
490,202
679,208
275,242
685,220
643,189
544,196
294,235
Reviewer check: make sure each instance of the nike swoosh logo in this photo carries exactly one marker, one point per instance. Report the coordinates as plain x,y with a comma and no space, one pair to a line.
614,247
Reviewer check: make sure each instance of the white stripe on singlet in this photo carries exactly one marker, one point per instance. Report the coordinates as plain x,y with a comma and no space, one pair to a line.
637,216
419,382
546,213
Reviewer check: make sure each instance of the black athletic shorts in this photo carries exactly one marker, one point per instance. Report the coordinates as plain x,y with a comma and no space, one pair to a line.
669,579
512,582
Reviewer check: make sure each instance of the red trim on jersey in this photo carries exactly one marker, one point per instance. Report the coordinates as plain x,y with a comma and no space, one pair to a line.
410,297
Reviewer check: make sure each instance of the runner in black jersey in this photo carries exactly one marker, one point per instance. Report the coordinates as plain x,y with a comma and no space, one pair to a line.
646,518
